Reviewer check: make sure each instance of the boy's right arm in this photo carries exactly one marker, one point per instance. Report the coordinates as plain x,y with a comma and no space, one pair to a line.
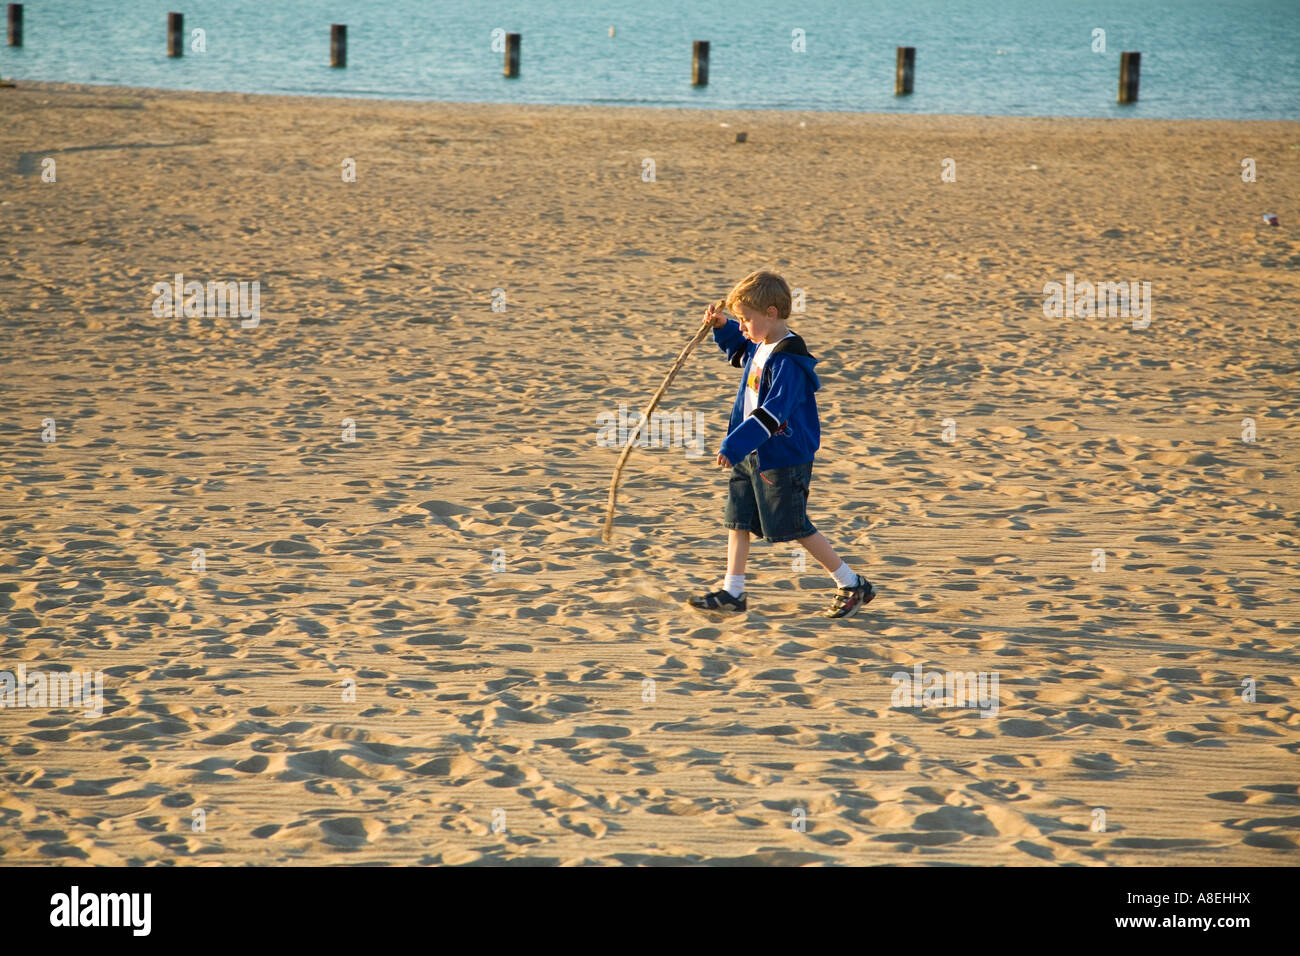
726,332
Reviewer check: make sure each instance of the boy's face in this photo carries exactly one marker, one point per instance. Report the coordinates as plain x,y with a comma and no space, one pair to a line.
755,325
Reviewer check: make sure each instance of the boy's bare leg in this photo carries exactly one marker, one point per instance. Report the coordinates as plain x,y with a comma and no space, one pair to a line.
817,545
737,551
734,583
853,589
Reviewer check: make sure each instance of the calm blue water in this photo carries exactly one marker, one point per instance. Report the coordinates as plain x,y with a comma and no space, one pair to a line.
1200,58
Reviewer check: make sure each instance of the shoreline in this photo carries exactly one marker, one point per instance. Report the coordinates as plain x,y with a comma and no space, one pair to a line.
218,96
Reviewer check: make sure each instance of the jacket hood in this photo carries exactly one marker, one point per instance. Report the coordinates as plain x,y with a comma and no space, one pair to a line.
794,348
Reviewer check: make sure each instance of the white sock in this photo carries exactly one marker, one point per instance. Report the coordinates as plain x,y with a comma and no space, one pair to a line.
734,584
844,576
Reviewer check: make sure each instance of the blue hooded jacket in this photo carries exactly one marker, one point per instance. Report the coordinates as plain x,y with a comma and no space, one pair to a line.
784,428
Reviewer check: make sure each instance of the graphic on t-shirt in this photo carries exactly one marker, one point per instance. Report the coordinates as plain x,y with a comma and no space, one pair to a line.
756,366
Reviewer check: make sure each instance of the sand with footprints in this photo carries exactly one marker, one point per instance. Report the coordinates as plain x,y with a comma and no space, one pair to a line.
409,644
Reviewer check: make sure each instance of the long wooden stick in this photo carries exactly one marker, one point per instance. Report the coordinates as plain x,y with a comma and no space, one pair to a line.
645,417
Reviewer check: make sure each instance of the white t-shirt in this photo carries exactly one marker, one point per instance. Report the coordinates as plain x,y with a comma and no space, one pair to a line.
756,373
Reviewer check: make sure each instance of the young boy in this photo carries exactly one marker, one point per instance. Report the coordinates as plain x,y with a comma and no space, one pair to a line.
772,437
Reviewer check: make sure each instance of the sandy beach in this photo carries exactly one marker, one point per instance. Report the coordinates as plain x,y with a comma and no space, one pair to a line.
412,647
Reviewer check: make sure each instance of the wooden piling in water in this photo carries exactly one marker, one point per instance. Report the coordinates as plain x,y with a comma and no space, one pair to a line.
1130,67
512,54
175,27
338,44
904,69
15,24
700,63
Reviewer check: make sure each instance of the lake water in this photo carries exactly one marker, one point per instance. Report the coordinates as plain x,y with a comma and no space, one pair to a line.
1200,58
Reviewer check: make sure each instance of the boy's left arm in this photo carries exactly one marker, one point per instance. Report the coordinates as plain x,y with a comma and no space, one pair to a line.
789,385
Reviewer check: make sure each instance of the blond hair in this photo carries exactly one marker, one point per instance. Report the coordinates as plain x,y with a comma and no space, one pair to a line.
759,290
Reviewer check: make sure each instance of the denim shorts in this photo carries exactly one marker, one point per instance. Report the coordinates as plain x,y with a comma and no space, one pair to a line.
772,504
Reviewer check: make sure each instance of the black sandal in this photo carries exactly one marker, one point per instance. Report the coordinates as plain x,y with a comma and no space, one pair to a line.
848,601
719,600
